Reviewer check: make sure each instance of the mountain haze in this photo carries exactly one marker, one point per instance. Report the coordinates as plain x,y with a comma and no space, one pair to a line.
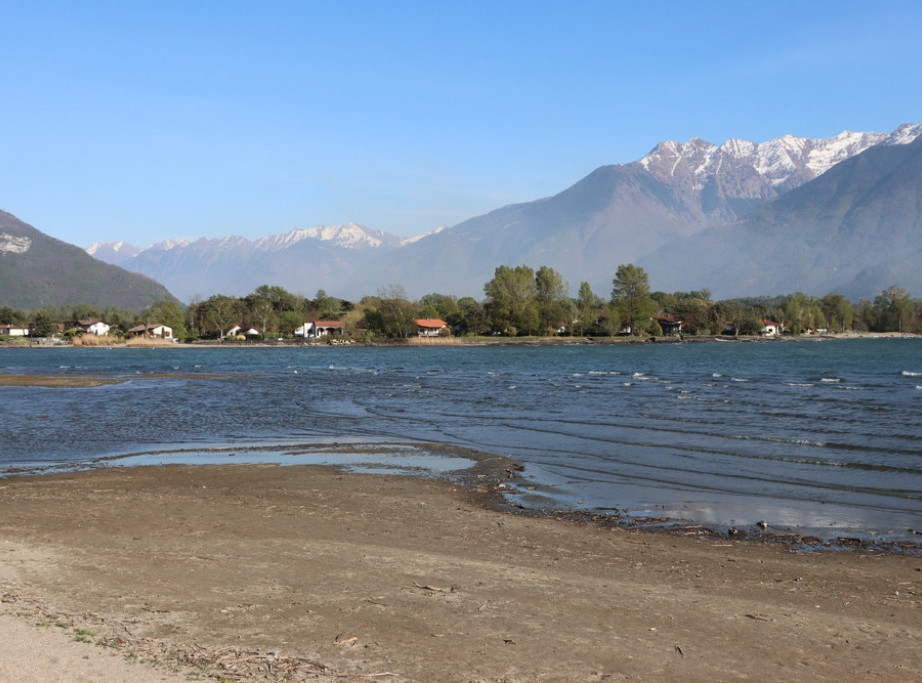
617,214
856,230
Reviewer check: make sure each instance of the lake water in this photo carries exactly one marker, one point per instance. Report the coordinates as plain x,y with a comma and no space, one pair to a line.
821,438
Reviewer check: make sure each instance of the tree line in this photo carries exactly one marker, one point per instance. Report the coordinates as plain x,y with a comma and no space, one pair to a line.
518,301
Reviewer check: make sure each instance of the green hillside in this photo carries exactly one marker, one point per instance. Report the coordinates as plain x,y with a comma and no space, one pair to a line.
37,271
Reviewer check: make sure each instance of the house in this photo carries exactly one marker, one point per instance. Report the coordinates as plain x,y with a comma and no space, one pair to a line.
93,326
237,330
325,327
320,328
152,330
13,331
430,327
669,325
770,328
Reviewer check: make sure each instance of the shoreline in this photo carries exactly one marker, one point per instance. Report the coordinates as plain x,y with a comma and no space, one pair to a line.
252,570
458,341
495,481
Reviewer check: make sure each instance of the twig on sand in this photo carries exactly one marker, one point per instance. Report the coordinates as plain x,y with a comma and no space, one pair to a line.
434,589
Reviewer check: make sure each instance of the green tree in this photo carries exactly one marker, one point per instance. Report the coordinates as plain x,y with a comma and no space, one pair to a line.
630,295
470,318
443,306
610,320
551,300
588,310
838,311
894,309
289,321
390,314
216,315
328,307
11,316
796,313
510,302
44,322
260,310
77,312
169,313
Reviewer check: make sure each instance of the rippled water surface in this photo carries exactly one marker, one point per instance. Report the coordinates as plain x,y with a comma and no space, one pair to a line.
813,437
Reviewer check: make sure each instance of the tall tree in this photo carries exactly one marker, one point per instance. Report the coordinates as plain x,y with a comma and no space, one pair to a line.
169,313
391,314
630,295
839,312
471,318
894,310
328,307
588,310
511,300
551,299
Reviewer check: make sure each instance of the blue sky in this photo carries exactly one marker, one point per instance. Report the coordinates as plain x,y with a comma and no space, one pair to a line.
145,121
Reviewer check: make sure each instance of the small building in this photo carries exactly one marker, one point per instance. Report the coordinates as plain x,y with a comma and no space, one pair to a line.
328,327
93,326
319,328
430,327
669,325
13,331
770,328
152,330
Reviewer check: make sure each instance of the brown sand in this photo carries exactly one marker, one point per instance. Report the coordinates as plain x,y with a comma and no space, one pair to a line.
305,573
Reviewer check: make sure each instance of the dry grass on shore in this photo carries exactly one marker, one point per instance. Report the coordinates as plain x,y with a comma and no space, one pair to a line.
145,342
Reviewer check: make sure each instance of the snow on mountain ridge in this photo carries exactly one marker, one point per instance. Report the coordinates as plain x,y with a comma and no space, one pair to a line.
348,235
777,160
903,135
115,247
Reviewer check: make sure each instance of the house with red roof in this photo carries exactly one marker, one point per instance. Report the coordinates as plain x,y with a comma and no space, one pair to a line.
430,327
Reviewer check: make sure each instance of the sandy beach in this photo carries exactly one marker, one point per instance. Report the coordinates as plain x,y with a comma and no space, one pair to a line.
306,573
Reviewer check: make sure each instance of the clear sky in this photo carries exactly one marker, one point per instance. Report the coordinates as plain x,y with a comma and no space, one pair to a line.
147,120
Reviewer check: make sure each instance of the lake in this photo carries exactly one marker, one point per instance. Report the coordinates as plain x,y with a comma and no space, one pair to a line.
821,438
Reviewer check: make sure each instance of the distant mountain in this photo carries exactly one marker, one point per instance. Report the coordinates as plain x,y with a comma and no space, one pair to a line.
856,230
37,271
616,214
115,253
303,261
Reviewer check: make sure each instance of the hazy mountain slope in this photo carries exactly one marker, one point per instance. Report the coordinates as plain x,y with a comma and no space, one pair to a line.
37,270
856,230
617,214
303,261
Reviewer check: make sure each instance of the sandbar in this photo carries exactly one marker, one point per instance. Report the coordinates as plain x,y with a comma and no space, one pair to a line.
264,572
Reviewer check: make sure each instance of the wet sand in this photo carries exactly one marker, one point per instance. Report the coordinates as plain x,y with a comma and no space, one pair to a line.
306,573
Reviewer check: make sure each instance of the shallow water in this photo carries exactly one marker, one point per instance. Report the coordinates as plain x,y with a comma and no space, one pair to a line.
812,437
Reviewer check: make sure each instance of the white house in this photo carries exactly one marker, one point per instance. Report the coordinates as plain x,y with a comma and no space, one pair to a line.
770,328
320,328
13,331
305,330
93,326
153,330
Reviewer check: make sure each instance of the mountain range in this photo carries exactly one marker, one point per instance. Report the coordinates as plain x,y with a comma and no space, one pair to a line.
694,214
855,230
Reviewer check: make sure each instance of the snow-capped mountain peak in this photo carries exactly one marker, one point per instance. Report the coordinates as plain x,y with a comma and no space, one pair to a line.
903,135
347,236
782,162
